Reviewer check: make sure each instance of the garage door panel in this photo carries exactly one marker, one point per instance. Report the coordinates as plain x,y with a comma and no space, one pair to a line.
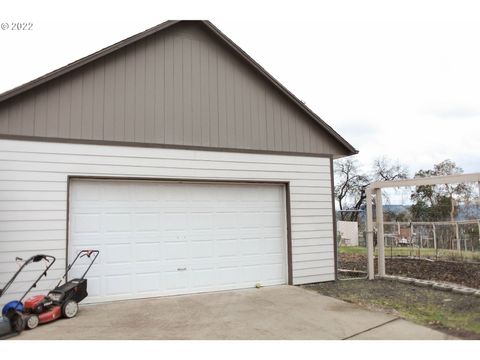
145,221
145,237
226,220
116,192
113,238
86,223
225,234
167,238
249,246
228,262
174,221
201,249
117,254
146,251
230,277
202,263
150,267
269,272
176,250
200,221
117,223
117,269
89,191
203,278
270,246
174,280
147,282
201,235
110,237
271,218
226,248
262,259
118,285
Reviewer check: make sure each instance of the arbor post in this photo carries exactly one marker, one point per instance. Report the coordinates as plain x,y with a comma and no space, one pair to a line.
380,236
370,255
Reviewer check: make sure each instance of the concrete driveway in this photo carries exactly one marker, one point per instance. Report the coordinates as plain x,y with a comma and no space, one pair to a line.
281,312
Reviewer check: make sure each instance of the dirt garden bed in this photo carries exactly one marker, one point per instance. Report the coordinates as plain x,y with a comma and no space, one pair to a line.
462,273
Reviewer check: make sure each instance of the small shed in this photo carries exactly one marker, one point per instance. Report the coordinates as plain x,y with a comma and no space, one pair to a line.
348,231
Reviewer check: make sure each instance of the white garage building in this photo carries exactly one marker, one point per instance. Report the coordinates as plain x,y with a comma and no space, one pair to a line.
177,156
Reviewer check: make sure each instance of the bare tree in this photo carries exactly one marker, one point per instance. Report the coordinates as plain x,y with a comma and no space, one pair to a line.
351,183
385,169
350,187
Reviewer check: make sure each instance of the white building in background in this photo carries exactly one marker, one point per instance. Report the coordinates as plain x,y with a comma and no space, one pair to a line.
348,231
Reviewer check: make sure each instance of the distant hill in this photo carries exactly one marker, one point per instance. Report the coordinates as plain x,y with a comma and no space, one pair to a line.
396,209
464,211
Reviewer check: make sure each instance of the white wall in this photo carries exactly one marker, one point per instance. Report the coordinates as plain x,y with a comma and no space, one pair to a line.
349,232
33,196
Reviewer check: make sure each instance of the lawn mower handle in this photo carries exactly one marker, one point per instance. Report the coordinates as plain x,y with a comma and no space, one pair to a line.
81,253
36,258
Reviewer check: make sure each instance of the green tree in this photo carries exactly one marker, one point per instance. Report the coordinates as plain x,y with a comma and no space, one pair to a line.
439,202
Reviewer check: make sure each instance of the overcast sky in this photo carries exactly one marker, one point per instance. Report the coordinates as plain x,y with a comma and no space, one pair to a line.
406,87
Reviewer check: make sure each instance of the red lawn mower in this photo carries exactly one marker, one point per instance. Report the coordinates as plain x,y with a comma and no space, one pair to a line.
62,300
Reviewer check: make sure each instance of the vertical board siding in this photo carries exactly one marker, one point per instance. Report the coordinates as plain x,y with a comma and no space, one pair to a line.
65,104
28,116
140,76
33,195
129,99
52,110
109,99
187,84
40,113
119,99
159,85
175,87
204,98
87,104
150,91
75,109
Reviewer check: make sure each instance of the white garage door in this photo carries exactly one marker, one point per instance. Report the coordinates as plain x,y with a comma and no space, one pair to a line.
159,238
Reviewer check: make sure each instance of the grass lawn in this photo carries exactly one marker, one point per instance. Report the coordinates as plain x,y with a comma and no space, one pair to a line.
458,315
407,251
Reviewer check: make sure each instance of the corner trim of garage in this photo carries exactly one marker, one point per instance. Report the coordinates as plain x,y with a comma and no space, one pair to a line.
289,234
334,220
67,227
70,178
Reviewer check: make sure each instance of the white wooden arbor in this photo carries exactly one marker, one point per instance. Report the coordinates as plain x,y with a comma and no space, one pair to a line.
376,189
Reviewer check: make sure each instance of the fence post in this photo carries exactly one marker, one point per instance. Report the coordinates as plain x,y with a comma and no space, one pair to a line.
398,233
411,238
434,239
459,247
370,255
478,223
380,236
